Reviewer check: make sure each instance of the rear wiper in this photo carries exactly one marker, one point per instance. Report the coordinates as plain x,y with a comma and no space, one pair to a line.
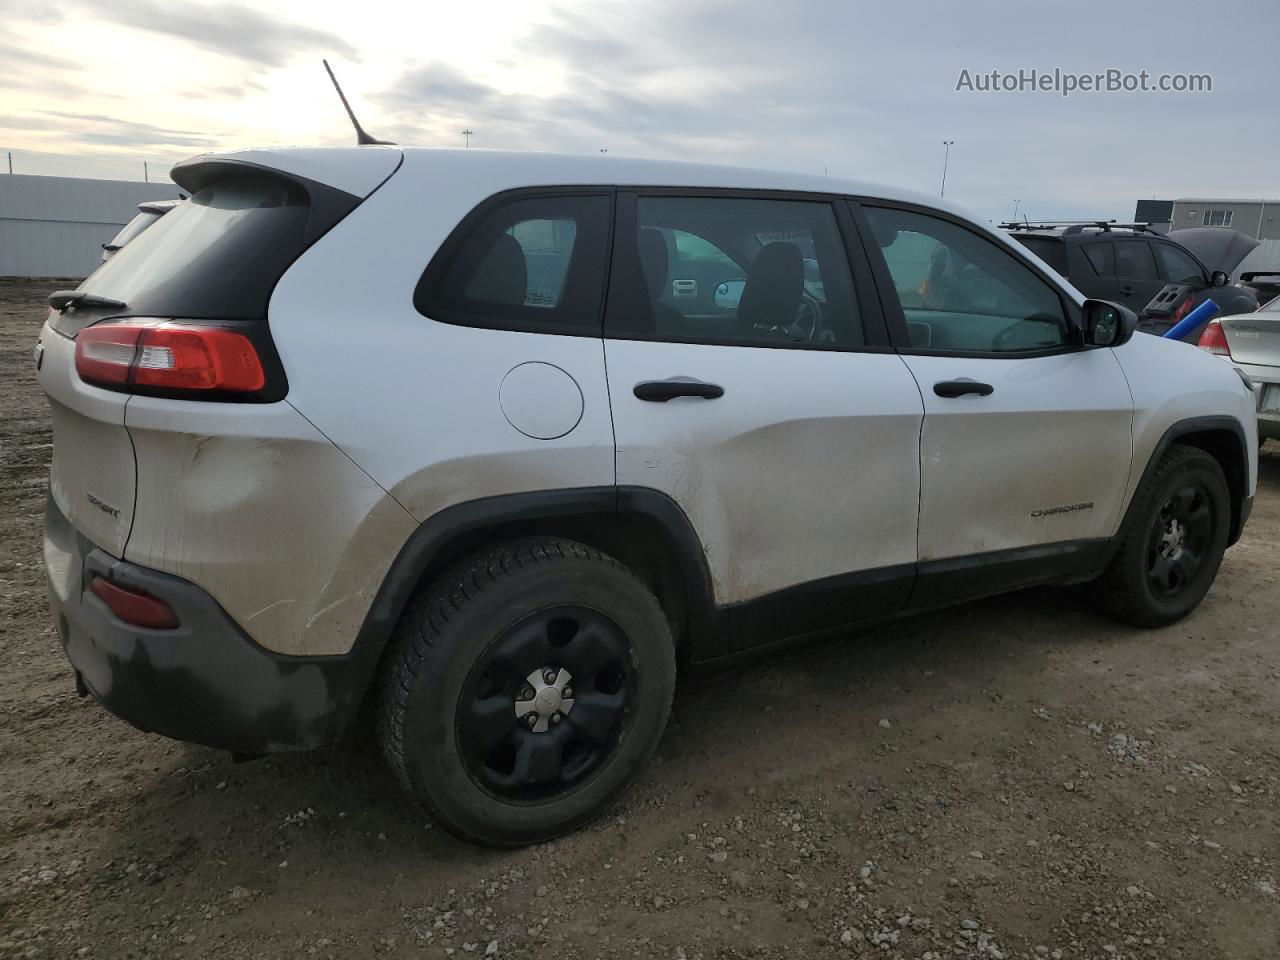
61,299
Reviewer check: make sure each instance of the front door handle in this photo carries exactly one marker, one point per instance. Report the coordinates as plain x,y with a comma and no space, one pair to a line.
960,388
1126,289
660,391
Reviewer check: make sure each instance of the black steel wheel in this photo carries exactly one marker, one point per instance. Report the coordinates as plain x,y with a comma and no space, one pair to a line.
1172,543
525,689
546,703
1179,541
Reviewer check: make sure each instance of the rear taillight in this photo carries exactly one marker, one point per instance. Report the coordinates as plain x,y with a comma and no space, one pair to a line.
134,606
1214,340
168,357
1183,309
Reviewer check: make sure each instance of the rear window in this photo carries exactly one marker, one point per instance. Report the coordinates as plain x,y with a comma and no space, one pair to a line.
218,255
1051,251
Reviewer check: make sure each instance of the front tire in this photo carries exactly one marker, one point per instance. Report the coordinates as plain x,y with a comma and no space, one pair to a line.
1173,543
525,689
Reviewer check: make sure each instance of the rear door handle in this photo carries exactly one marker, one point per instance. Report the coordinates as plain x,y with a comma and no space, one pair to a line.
660,391
1126,289
960,388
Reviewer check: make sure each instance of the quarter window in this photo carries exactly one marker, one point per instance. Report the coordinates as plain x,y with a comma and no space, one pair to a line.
961,292
733,270
535,264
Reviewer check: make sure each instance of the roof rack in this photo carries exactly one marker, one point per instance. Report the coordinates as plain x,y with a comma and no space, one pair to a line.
1077,226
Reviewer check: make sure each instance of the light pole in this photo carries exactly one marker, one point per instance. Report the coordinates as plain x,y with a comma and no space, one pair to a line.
1015,210
468,133
946,145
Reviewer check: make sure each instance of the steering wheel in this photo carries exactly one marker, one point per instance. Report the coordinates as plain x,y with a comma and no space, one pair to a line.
808,321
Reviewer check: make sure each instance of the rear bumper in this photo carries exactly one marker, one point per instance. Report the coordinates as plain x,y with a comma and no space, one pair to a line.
206,681
1263,377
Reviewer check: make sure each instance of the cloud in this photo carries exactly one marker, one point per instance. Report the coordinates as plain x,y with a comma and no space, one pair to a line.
870,89
437,86
23,58
106,130
235,31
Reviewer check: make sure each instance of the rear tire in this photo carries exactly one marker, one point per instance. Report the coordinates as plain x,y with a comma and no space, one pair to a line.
1173,543
525,689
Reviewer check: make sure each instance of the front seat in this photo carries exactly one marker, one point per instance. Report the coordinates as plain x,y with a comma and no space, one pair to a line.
503,276
775,284
654,259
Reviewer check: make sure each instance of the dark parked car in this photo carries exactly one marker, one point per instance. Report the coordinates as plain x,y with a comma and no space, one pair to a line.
1265,283
1132,265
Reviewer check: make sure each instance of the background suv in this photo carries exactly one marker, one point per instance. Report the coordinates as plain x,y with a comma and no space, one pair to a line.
484,445
1130,265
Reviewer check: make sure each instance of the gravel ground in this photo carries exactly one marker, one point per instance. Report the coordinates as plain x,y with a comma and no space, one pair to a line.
1013,778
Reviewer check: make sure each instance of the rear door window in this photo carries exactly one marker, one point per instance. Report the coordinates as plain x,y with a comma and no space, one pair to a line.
1134,260
217,255
735,271
1102,257
534,264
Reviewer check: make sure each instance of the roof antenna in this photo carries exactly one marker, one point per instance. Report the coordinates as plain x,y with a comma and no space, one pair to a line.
362,138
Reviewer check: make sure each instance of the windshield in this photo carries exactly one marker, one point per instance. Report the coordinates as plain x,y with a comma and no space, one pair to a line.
217,255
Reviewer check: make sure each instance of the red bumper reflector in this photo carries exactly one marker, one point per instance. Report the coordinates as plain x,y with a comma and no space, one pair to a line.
131,606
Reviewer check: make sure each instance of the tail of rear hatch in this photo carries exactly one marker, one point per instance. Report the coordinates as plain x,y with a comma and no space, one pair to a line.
181,313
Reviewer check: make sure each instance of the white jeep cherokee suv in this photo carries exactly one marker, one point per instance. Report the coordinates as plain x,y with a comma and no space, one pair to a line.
485,444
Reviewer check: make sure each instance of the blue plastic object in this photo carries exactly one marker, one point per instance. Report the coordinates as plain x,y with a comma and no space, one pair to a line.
1196,318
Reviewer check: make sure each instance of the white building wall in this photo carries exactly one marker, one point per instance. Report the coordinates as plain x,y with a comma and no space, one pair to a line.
55,226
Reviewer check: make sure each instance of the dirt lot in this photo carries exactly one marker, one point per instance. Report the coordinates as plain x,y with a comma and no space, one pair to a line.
1014,778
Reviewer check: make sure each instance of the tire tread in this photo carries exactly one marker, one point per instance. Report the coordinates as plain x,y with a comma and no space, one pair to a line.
427,617
1122,598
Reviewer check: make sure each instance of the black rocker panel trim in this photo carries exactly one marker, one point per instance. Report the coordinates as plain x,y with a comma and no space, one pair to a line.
820,605
956,579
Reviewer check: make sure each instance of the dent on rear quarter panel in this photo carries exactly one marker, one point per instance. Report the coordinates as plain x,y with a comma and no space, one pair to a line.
257,507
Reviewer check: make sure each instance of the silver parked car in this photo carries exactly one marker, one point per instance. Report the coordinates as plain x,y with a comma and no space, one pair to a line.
1251,341
149,211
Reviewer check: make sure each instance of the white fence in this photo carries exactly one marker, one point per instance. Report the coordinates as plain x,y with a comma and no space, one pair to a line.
55,226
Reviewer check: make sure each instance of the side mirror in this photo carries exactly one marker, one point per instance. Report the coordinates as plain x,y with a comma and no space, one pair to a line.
728,293
1218,279
1108,324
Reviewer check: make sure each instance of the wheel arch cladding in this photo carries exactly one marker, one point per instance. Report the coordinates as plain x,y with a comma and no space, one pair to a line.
1223,438
643,529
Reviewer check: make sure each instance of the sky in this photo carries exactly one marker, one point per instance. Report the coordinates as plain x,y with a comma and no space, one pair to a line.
857,89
